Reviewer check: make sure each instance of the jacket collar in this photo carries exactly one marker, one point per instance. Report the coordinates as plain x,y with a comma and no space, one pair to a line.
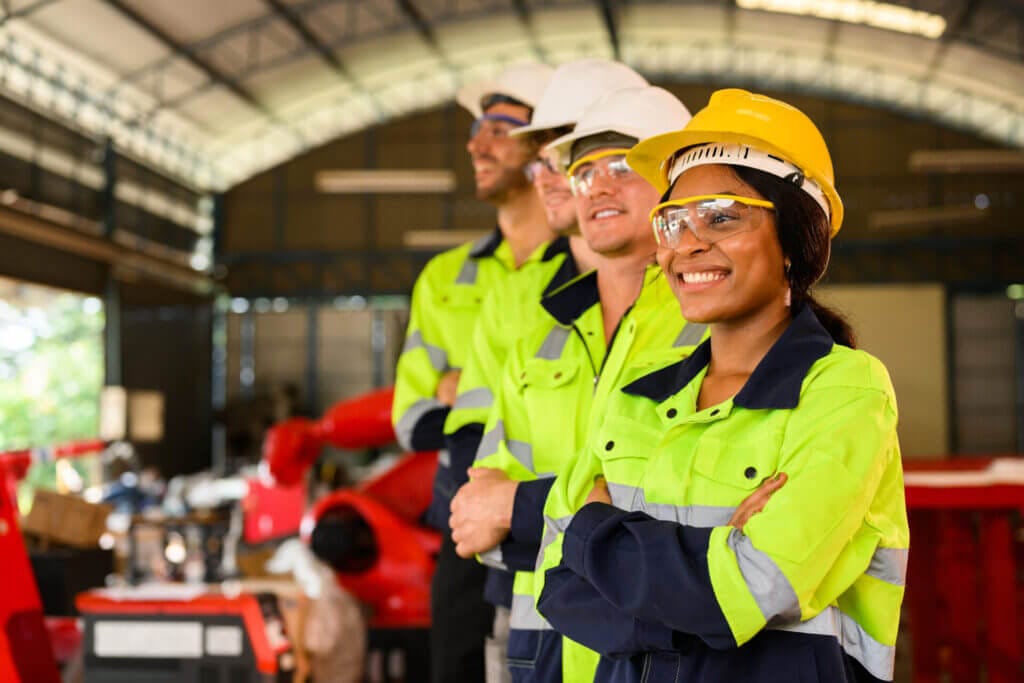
567,269
775,382
486,245
568,302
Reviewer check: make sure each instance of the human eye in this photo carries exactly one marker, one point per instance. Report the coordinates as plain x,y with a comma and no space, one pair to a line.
618,168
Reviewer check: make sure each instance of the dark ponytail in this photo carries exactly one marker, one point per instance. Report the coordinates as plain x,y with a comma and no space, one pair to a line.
803,230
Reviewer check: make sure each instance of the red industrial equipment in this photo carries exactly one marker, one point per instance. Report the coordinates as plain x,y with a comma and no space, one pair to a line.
26,654
378,548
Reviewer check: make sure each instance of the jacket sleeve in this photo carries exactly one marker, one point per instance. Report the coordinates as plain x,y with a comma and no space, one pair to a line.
791,560
594,622
507,446
417,415
479,382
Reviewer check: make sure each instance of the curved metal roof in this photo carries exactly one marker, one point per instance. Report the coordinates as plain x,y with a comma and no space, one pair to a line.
213,93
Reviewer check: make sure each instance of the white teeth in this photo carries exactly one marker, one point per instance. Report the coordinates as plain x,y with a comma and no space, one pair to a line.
605,213
707,276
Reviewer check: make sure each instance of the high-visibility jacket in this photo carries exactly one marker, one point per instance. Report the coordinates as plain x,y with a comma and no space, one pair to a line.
555,378
510,309
446,301
809,590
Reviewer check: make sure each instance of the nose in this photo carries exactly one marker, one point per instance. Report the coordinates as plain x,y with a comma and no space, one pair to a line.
476,144
602,184
690,242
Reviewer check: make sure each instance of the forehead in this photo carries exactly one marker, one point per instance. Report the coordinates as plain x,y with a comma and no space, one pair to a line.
509,109
711,179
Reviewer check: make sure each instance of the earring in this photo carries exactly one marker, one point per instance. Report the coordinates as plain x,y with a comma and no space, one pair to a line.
789,290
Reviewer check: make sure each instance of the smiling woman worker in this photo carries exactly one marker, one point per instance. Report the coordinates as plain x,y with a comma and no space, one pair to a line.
648,571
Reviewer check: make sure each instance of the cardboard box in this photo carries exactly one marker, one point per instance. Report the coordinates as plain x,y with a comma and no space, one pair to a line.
66,520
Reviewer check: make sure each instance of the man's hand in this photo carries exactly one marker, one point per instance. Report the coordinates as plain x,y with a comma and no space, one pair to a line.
302,668
482,511
756,501
448,387
599,494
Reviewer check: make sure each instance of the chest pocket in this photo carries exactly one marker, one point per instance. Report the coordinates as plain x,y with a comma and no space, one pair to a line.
459,296
556,407
729,469
625,447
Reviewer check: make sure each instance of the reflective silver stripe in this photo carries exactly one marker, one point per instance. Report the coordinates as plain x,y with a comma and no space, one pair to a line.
481,397
493,558
701,516
552,527
553,344
444,458
889,565
525,615
408,421
520,450
438,356
467,276
877,658
691,334
771,589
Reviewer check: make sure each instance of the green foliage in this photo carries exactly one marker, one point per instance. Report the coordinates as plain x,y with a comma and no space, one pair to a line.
51,371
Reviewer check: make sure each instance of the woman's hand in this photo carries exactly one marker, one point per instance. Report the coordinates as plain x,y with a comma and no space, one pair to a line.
599,494
756,501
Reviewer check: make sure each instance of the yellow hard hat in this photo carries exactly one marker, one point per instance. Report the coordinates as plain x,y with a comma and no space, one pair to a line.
746,129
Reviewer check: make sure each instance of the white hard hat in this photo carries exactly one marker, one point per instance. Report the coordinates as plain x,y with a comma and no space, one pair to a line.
523,82
633,112
574,87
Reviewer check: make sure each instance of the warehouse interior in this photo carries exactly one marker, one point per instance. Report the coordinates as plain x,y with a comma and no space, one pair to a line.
199,241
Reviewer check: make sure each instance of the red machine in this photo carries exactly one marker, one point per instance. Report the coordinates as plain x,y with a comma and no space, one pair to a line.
26,654
370,534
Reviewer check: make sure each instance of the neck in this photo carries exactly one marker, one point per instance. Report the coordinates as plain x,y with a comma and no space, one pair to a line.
619,281
737,346
523,223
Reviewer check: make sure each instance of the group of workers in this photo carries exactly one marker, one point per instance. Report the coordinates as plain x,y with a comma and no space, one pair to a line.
660,458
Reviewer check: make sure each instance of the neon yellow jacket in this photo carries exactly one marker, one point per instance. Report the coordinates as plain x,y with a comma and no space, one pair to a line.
446,301
555,378
812,583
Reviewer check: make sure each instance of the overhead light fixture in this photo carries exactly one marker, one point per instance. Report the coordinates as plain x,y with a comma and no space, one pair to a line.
878,14
440,239
967,161
931,217
363,181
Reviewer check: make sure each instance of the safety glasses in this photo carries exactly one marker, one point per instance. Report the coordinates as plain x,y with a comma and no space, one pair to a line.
586,170
711,218
490,125
539,165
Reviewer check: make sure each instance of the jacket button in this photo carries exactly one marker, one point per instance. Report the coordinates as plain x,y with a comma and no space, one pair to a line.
714,412
670,413
558,375
522,376
750,472
610,445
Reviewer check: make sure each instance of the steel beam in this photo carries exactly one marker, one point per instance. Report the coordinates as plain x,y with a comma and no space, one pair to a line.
208,69
611,24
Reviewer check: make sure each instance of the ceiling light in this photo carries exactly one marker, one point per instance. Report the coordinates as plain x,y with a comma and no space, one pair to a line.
930,217
439,239
878,14
967,161
429,181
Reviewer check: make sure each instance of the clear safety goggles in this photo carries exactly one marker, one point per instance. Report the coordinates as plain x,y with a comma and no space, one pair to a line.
493,125
710,217
586,170
538,166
